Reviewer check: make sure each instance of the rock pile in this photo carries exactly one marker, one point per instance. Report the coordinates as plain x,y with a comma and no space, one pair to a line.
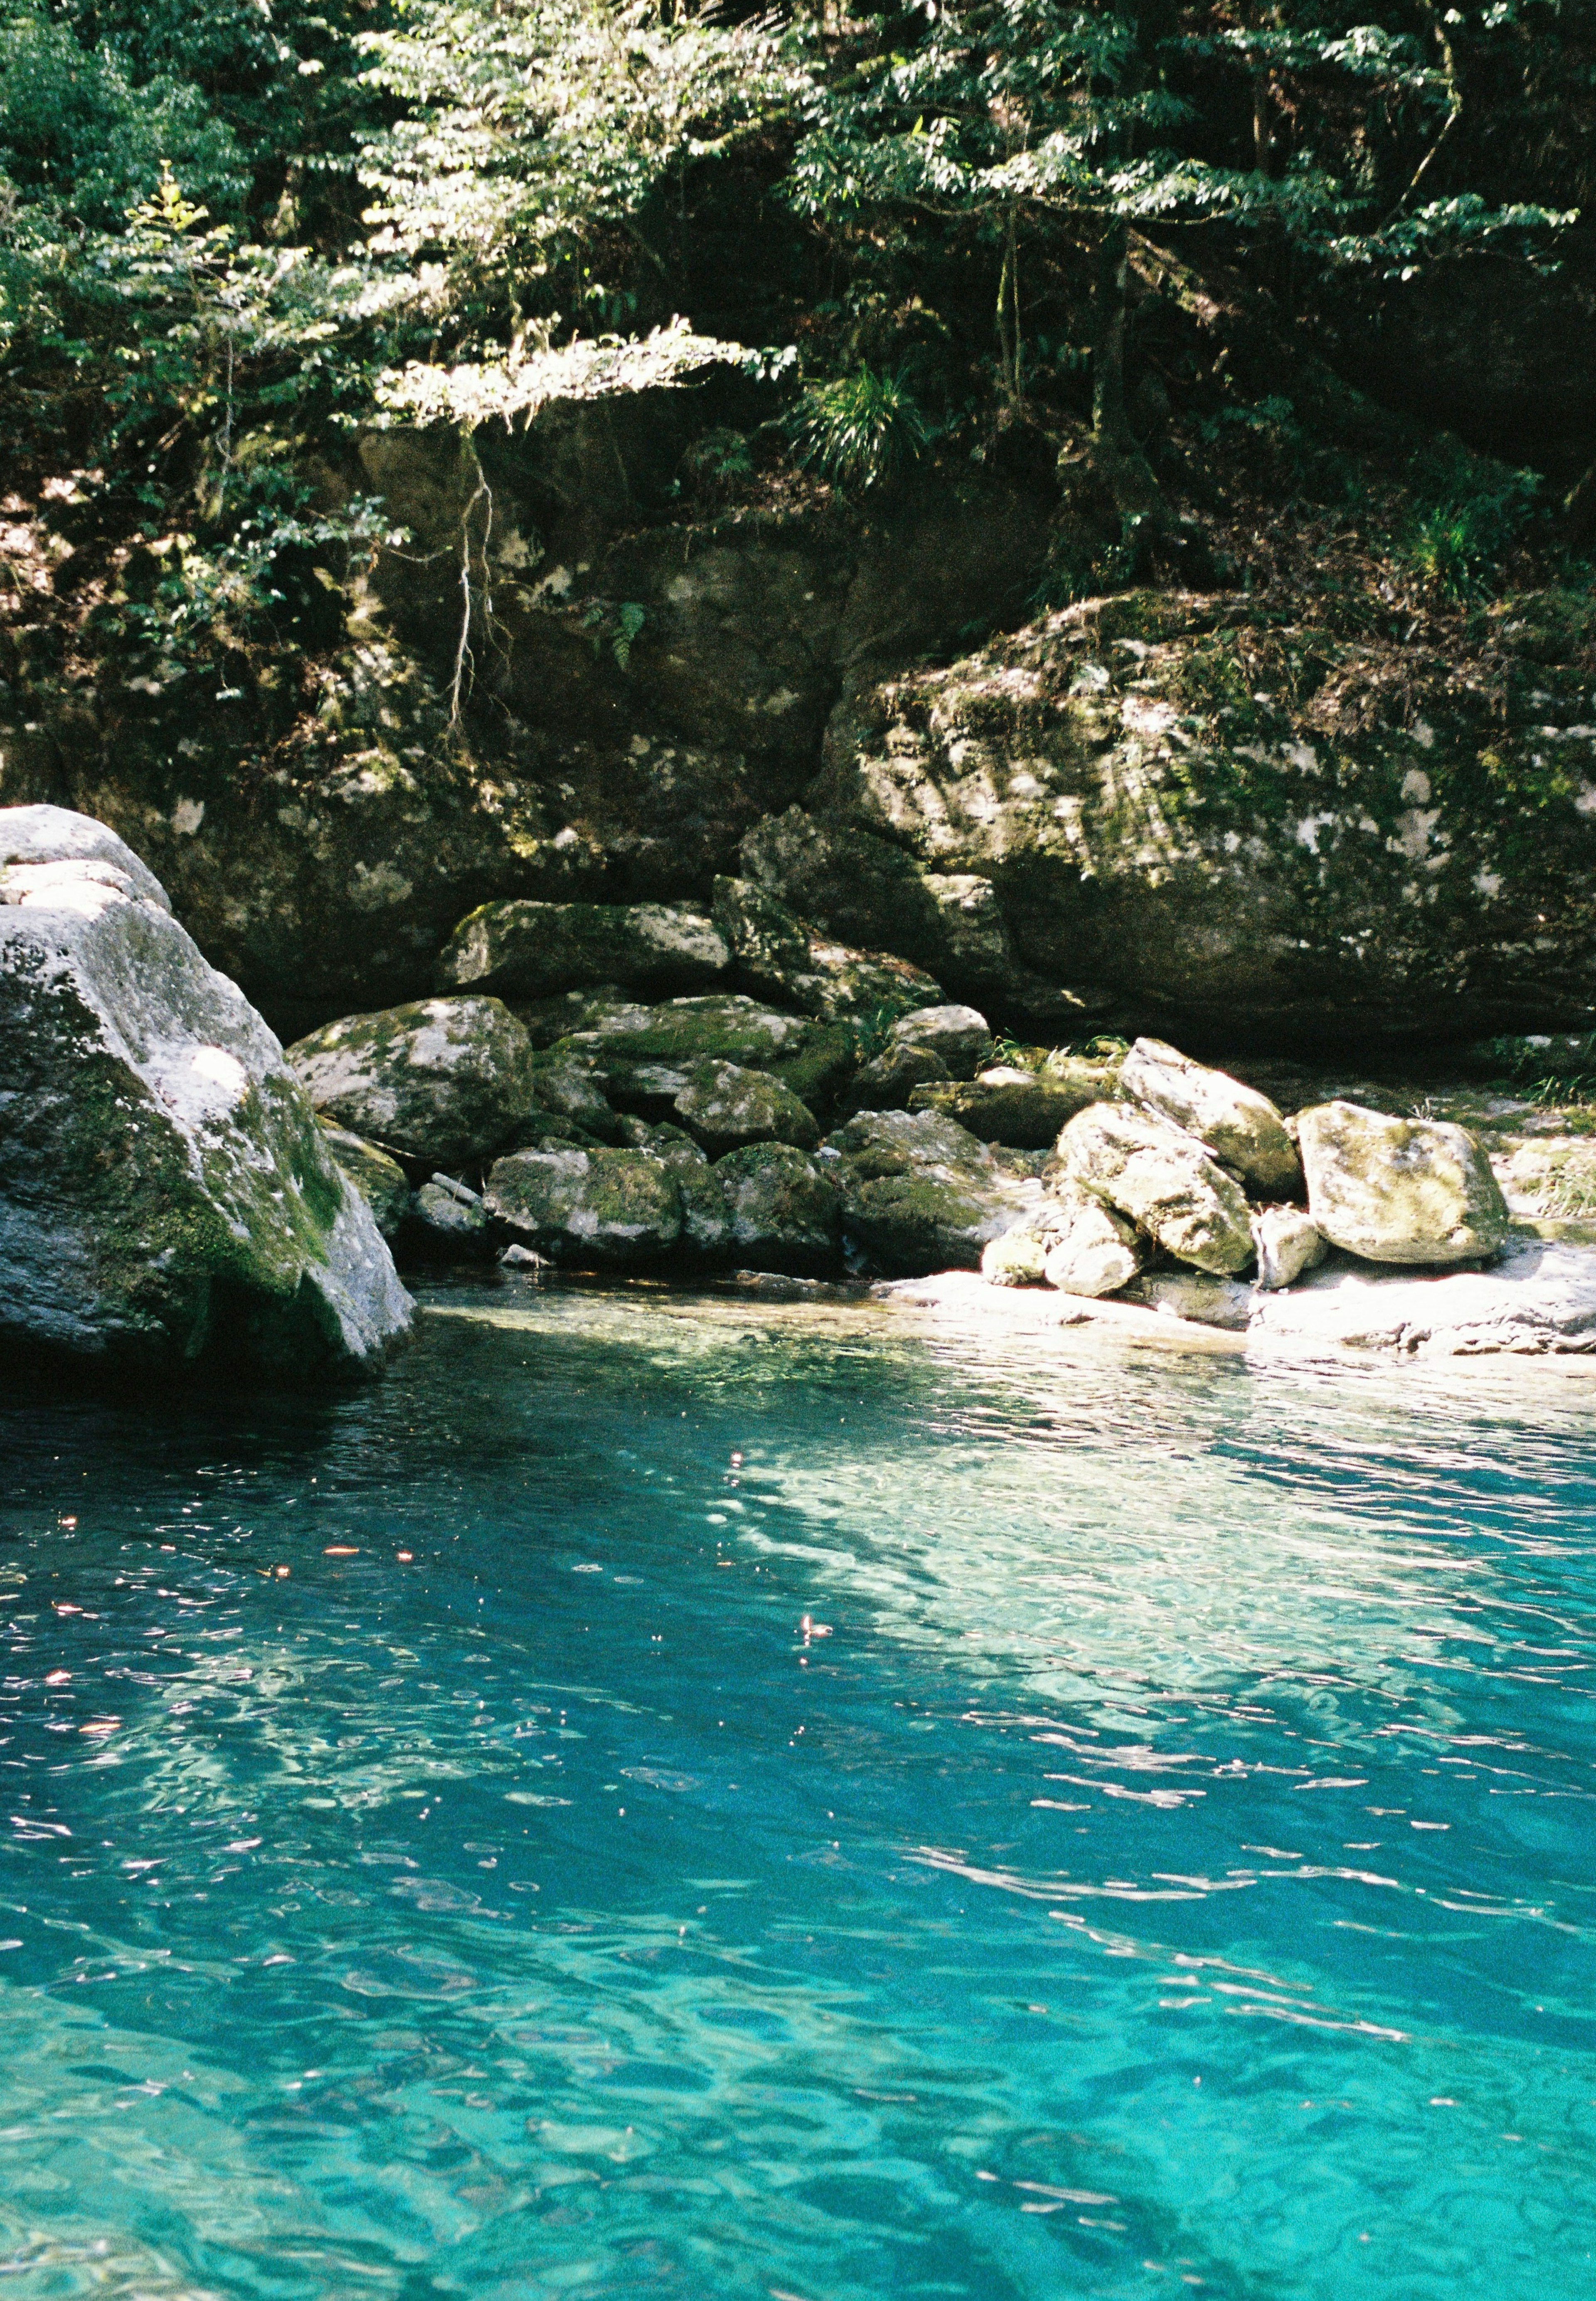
541,1102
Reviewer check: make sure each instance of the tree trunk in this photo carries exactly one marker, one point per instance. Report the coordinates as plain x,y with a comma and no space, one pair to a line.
1115,453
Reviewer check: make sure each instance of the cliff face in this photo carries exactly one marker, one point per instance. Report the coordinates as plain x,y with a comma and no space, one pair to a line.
1236,816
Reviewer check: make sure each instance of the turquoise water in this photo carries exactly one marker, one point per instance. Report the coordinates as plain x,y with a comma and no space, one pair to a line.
1164,1862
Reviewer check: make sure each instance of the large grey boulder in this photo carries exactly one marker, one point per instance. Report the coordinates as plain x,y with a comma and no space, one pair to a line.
1400,1190
920,1194
441,1079
1241,1127
1094,1252
1163,1180
533,950
768,1207
1071,1242
725,1107
167,1196
607,1208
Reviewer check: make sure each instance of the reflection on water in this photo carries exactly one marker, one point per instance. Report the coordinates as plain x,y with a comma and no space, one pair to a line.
685,1797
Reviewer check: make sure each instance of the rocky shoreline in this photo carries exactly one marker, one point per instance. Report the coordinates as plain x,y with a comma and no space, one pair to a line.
659,1090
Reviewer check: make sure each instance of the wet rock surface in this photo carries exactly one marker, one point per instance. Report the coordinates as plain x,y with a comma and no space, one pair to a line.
167,1199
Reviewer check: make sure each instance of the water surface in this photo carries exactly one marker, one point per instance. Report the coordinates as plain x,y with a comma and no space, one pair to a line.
672,1798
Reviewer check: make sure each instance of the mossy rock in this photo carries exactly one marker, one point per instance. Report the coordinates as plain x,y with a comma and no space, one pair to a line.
440,1080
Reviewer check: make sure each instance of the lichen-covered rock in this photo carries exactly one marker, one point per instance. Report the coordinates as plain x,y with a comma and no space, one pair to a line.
1182,823
960,1035
1400,1190
441,1079
888,1080
535,950
1093,1252
725,1107
607,1208
766,1206
1163,1180
380,1179
1287,1242
167,1196
920,1194
1025,1109
1241,1127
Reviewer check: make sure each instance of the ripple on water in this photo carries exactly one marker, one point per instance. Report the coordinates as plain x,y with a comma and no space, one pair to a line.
680,1798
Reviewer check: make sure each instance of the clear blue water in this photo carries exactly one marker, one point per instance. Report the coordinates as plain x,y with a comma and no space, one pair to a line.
1172,1869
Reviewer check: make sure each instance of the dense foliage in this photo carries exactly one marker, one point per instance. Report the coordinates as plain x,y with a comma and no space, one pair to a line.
229,237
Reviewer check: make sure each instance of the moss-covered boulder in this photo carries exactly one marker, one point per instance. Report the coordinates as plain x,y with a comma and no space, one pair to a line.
443,1080
1025,1109
1400,1190
380,1179
535,950
566,1086
644,1055
607,1210
1162,1181
784,957
767,1207
725,1107
1241,1128
920,1194
167,1199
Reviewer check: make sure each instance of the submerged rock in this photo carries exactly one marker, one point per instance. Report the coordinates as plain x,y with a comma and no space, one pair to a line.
1163,1180
723,1107
920,1194
1287,1242
1400,1190
442,1079
1240,1126
166,1195
769,1207
1196,1295
611,1209
533,950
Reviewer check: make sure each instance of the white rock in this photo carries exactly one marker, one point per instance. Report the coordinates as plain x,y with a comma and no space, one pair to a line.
1240,1126
960,1035
1163,1180
1287,1242
1538,1298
